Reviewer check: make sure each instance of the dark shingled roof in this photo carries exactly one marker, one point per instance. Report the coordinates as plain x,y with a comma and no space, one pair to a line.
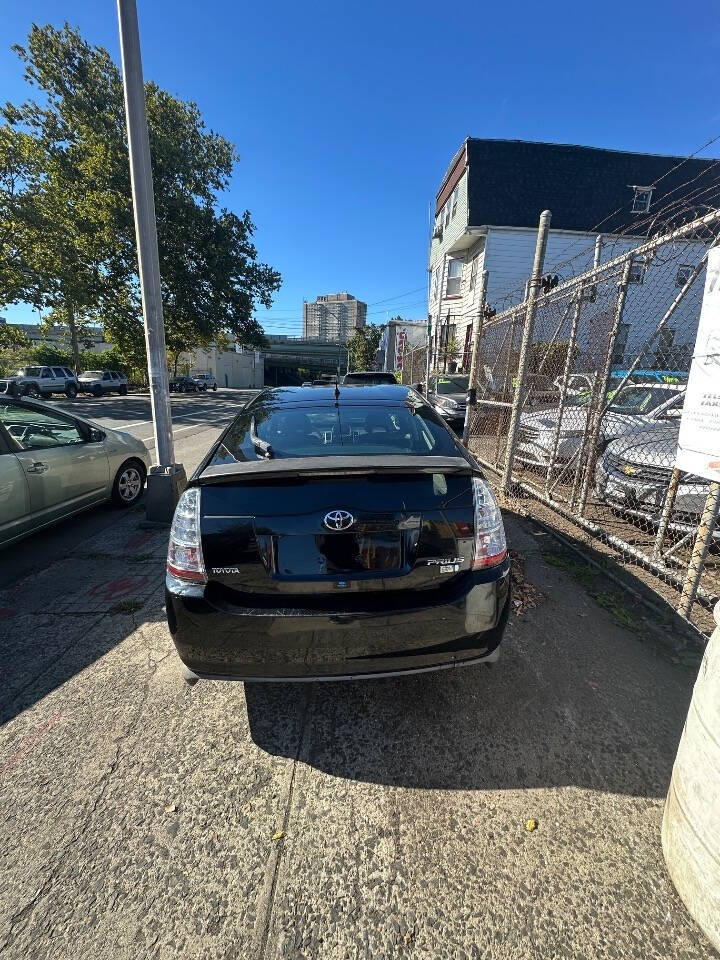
511,181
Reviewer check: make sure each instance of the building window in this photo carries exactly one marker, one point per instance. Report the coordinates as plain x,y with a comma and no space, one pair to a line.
637,271
454,278
474,272
455,193
641,200
436,283
683,275
447,212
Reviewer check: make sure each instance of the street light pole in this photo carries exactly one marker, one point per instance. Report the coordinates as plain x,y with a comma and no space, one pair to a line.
165,481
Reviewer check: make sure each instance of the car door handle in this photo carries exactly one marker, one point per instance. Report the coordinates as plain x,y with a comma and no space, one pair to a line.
37,467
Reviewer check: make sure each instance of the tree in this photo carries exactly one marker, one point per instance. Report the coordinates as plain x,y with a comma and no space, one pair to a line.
67,187
362,347
12,337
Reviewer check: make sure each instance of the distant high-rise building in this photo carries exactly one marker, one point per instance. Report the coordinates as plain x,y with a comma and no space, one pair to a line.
333,317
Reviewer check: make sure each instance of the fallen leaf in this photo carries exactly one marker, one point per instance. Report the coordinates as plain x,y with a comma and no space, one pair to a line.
278,835
531,825
408,936
170,808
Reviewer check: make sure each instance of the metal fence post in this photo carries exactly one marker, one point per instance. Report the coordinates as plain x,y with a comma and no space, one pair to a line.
597,415
668,504
538,264
563,388
700,549
477,337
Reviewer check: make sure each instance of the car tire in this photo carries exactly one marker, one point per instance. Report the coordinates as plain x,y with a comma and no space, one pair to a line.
32,390
128,484
97,390
71,391
123,391
214,386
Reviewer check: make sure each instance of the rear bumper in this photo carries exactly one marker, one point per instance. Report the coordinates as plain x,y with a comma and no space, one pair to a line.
221,641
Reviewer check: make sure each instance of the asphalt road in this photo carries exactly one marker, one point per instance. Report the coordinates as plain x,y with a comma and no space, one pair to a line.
197,420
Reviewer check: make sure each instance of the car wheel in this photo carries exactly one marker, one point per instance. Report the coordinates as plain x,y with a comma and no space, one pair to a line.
128,484
97,390
214,386
123,391
32,390
71,391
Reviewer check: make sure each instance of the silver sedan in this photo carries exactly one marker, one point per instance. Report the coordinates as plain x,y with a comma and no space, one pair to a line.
53,465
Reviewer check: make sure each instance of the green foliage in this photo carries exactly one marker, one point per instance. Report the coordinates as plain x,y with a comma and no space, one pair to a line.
67,241
363,346
11,337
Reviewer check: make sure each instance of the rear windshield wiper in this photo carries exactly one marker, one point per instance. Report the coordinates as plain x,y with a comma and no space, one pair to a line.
262,446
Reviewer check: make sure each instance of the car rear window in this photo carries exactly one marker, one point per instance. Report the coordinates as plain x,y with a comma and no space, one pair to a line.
368,378
267,429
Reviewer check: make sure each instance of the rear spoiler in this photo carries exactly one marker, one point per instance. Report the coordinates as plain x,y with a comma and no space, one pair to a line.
338,466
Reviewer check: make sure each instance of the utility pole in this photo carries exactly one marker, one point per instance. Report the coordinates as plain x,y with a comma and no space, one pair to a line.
167,480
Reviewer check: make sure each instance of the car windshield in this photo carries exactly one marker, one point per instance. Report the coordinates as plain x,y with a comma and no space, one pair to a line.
345,430
30,371
452,384
92,373
640,400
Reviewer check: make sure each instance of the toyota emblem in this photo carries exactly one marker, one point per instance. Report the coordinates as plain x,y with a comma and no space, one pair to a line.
339,520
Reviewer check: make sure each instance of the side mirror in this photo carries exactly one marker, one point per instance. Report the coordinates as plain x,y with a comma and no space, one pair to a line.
95,435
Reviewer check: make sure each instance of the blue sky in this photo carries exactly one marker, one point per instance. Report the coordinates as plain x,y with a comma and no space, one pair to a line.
346,115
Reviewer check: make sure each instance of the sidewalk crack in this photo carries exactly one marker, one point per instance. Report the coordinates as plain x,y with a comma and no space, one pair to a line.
267,898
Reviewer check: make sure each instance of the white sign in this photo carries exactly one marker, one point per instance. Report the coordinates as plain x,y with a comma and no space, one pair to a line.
699,440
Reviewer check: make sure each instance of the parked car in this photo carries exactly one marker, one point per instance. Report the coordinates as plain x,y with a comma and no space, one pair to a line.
633,476
368,377
328,536
448,395
53,465
184,385
41,381
636,407
99,382
206,381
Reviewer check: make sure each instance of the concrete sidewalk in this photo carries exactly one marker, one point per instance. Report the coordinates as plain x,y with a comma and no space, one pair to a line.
386,819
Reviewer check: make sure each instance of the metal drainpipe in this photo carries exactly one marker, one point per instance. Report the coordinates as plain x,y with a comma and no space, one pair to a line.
477,337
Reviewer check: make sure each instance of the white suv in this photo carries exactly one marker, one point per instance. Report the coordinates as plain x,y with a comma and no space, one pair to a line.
99,382
206,381
41,381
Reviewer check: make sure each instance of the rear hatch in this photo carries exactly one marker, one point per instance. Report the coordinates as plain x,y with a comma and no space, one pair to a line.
278,532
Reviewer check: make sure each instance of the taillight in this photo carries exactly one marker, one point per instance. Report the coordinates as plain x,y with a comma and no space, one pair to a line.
185,559
490,545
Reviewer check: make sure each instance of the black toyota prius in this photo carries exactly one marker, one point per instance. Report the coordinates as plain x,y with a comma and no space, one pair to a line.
336,532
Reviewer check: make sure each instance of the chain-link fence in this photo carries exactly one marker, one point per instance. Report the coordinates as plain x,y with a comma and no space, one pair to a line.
580,391
414,360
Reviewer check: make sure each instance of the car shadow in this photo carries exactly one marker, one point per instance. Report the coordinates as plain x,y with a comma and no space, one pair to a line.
575,701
